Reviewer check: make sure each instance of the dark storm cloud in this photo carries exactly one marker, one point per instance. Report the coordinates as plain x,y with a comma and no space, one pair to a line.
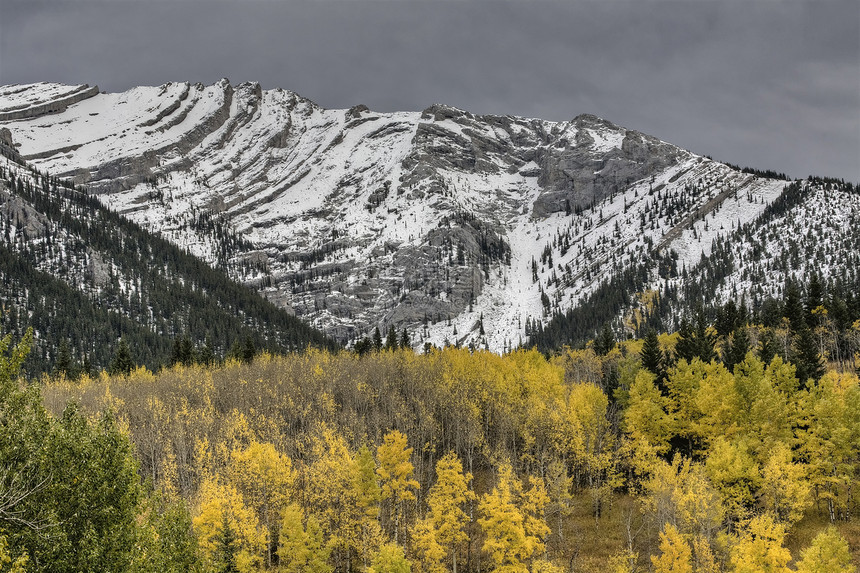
772,84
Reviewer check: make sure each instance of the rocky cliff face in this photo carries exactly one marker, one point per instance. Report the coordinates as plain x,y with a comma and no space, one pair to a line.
457,227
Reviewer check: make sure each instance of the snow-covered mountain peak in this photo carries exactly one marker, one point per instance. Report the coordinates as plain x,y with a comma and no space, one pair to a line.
458,227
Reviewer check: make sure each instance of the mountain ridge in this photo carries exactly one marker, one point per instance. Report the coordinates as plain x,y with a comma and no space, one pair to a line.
430,221
84,277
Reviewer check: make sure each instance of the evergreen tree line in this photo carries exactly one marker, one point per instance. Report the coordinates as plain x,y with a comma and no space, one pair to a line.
147,292
800,261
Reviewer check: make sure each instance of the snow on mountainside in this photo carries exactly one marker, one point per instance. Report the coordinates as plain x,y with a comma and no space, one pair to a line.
460,228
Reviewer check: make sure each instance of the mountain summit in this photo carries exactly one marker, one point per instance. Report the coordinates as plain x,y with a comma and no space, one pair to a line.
456,227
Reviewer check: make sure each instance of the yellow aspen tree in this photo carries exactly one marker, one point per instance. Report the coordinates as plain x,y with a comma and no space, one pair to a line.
427,547
783,377
683,384
622,562
785,488
301,548
559,485
235,433
763,416
169,472
265,478
512,522
390,559
533,503
18,565
681,494
588,439
395,474
367,494
759,549
829,441
703,556
217,502
828,553
646,420
544,566
675,553
735,473
329,492
443,526
503,524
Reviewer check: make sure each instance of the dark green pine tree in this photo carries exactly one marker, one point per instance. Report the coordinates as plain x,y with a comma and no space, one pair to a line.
695,343
743,314
770,313
653,359
727,318
249,350
705,341
226,547
404,340
792,307
87,366
767,349
206,356
122,362
806,359
736,349
685,348
363,346
236,351
65,365
605,341
814,298
377,340
182,351
391,340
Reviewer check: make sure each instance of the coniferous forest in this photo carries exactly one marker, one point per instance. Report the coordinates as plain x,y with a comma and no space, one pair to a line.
89,281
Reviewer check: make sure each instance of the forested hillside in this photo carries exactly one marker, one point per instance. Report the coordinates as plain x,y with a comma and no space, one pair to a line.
809,235
84,277
624,456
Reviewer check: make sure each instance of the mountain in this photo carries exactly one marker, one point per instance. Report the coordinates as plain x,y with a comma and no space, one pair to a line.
83,277
459,228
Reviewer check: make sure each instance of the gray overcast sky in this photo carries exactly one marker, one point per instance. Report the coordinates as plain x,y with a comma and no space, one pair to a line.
773,84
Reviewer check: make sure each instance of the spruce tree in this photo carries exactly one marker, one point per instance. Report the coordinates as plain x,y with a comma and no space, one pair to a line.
767,349
235,352
206,356
605,341
377,340
805,358
391,339
727,318
64,363
226,547
793,308
736,349
685,348
705,341
363,346
249,350
814,298
122,363
653,359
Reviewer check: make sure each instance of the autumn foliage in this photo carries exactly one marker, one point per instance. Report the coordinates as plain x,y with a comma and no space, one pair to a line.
471,461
